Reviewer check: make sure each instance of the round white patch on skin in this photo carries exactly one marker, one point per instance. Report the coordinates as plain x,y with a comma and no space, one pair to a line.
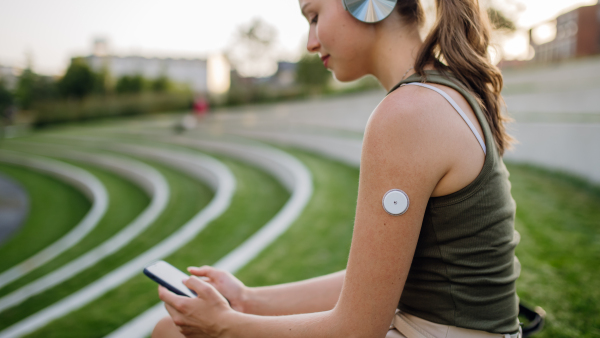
395,202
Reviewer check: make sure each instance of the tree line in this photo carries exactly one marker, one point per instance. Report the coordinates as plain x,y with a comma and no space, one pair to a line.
78,82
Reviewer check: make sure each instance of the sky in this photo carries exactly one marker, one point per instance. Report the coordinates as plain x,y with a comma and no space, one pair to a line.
50,32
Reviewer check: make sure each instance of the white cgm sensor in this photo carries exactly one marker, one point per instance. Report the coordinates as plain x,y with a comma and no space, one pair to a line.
395,202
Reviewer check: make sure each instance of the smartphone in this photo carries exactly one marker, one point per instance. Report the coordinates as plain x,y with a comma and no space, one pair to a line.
170,277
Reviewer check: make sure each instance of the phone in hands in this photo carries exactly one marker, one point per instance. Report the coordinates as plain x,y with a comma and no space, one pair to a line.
170,277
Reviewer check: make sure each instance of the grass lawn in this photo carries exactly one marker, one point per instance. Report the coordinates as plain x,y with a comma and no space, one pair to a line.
318,242
55,208
188,196
126,202
257,199
558,217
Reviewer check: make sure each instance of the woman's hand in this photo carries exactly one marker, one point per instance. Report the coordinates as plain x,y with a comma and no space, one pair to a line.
232,288
203,316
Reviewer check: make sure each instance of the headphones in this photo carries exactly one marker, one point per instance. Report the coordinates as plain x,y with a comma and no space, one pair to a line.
370,11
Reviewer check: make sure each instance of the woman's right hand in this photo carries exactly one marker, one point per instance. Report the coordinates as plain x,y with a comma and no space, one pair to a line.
227,284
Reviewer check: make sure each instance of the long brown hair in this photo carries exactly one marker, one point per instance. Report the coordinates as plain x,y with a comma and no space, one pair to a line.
458,42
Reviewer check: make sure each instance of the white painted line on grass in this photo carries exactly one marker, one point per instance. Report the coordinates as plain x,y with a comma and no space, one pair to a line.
147,177
82,180
204,167
291,172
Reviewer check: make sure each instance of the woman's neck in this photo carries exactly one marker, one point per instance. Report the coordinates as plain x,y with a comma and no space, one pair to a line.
394,55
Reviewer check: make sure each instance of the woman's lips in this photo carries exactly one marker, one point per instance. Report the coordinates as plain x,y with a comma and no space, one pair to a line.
325,60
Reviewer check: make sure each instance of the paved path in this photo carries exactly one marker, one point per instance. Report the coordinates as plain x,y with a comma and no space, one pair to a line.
202,167
81,179
291,172
557,109
14,206
147,177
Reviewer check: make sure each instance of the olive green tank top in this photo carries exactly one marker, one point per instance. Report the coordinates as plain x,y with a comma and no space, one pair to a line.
464,269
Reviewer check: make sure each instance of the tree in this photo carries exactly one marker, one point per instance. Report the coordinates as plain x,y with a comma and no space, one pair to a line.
252,51
6,97
78,81
24,92
130,84
101,79
32,88
499,21
311,74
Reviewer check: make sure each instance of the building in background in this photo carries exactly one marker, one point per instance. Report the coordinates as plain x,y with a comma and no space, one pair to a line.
577,34
192,72
284,78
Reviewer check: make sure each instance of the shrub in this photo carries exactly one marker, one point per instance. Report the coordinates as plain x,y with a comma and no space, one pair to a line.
94,107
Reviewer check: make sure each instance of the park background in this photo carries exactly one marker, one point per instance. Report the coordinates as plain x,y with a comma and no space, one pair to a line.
203,133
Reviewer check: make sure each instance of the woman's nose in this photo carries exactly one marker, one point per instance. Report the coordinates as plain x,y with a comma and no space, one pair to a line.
313,44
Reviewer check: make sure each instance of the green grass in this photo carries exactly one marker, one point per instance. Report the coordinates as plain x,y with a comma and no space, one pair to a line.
126,202
257,199
318,242
188,196
55,208
558,217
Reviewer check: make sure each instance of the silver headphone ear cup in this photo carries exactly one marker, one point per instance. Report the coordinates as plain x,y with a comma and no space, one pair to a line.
370,11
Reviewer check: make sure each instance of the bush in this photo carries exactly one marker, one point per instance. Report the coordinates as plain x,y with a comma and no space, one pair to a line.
311,74
94,107
160,85
130,84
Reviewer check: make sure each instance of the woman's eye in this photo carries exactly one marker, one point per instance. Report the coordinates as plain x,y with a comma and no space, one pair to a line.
314,19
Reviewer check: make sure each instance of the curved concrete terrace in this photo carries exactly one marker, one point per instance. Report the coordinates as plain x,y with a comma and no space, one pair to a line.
205,168
145,176
291,172
14,206
79,178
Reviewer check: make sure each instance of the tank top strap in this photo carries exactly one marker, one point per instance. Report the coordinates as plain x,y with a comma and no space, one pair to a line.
456,107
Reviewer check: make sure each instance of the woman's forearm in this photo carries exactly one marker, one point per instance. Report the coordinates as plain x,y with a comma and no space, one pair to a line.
313,325
311,295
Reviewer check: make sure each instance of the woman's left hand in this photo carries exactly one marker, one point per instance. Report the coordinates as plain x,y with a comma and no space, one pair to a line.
203,316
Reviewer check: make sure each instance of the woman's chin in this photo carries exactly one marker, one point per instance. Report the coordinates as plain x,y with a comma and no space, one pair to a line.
344,76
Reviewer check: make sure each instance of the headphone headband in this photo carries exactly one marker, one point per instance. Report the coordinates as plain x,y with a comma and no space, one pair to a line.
370,11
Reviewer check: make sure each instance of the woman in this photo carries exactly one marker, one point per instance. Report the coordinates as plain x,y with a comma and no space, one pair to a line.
446,266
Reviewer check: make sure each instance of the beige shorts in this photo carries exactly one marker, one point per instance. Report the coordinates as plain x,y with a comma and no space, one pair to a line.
405,325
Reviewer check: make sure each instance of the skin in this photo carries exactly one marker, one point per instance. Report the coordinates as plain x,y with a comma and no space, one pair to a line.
414,141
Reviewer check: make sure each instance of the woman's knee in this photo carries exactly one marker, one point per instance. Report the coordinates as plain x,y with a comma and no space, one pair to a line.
166,328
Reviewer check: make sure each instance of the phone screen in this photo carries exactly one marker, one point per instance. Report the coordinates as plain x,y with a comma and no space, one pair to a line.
170,277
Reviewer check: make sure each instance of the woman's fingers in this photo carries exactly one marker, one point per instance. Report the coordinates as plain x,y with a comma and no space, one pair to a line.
179,303
196,316
202,288
205,270
165,295
176,316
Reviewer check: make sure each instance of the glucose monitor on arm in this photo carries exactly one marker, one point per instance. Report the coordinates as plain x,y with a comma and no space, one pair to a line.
395,202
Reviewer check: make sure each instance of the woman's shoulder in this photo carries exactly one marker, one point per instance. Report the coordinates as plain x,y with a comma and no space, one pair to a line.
403,130
409,111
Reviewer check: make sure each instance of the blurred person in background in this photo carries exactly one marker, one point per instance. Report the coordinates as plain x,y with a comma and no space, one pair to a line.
200,106
446,266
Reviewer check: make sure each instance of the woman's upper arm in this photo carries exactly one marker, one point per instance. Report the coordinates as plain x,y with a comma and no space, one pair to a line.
398,153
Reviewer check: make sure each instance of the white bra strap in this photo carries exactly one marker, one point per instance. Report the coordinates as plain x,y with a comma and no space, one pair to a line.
462,114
